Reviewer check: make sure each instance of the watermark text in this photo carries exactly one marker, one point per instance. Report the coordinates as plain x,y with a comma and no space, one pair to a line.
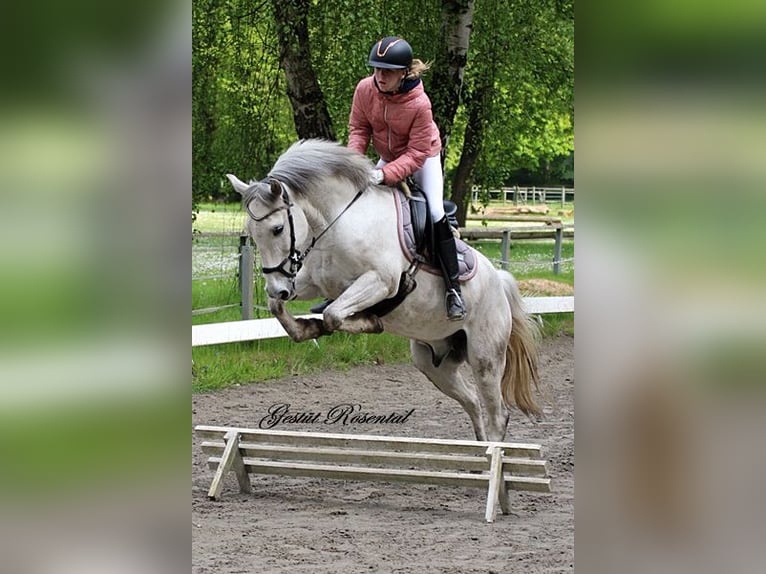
342,414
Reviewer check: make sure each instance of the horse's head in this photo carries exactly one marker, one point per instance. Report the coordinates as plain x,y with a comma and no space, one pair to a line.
279,230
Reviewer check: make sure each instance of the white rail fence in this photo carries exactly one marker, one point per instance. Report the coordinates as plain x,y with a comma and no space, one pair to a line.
524,195
547,228
258,329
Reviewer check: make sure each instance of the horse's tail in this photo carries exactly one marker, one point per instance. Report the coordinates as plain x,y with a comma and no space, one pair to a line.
521,374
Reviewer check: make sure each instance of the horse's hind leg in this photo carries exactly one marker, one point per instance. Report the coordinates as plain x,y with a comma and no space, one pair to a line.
447,378
487,360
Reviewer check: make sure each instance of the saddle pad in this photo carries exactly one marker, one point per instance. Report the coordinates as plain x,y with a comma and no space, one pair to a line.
466,256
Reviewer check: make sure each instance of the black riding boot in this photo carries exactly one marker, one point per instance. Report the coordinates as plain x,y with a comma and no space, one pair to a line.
448,257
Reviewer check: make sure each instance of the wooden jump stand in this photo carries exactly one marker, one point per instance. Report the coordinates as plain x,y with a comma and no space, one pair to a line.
495,466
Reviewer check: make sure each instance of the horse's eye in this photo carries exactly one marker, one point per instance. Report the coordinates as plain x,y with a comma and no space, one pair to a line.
278,229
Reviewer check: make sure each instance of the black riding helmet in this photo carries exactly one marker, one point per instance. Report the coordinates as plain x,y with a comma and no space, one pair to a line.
392,53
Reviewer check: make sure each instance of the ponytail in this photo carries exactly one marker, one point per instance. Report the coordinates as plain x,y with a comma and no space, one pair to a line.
417,68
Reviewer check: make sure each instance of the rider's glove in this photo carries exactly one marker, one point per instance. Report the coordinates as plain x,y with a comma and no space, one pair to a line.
376,176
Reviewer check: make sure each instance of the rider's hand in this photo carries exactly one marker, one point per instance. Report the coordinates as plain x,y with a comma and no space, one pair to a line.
376,176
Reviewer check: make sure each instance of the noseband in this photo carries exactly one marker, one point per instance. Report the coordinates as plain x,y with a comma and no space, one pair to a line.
295,258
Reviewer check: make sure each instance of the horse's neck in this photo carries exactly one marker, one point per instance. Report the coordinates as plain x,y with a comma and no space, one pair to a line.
321,212
315,218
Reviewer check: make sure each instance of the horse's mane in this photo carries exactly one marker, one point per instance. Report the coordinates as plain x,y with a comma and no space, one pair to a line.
307,163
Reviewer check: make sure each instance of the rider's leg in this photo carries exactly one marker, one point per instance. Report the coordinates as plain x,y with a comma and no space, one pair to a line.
445,243
430,179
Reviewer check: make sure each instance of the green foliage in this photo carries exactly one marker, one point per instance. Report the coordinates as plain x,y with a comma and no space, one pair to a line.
528,50
343,33
555,324
237,363
242,118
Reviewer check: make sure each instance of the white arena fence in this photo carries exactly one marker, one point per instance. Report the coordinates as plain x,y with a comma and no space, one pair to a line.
257,329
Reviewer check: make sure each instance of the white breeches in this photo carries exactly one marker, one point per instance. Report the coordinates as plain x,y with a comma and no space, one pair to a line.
430,179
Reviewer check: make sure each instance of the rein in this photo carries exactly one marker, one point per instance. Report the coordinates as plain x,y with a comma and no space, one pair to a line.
295,257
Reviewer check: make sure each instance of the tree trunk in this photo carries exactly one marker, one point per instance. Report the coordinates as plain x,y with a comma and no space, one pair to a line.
447,75
474,135
312,120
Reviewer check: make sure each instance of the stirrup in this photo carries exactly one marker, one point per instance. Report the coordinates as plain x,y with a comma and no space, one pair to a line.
455,306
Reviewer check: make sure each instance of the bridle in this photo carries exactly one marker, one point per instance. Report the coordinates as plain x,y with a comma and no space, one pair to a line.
295,258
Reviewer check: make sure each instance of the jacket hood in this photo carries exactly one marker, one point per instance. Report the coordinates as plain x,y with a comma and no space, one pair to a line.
407,86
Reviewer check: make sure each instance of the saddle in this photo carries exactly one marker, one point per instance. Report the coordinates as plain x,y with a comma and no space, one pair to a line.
416,231
422,223
416,238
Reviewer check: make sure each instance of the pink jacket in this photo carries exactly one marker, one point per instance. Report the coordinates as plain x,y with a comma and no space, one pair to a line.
401,126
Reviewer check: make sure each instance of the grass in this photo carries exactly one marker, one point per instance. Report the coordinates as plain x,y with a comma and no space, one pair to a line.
215,284
236,363
219,217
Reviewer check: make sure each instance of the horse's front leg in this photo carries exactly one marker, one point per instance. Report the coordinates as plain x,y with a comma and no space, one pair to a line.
297,328
343,313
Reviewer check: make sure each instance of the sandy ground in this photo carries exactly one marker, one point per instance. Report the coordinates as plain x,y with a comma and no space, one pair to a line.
307,525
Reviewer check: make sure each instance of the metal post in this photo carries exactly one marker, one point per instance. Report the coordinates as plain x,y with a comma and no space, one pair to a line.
557,249
246,263
505,248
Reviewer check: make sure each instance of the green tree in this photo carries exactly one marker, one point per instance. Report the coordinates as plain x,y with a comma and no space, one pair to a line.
312,120
206,17
518,94
241,116
451,59
501,81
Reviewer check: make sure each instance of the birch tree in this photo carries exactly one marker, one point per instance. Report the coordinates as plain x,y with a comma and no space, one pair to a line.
448,69
310,114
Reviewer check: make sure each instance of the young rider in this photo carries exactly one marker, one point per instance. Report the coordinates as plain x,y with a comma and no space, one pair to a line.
391,109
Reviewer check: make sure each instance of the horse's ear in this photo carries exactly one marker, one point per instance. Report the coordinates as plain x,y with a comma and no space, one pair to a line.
239,186
276,188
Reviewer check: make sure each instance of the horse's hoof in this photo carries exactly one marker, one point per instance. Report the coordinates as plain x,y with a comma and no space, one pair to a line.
331,322
312,329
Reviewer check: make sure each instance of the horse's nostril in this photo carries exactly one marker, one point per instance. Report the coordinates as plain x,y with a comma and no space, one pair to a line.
284,295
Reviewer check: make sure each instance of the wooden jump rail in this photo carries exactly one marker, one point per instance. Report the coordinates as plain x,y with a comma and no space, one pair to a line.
495,466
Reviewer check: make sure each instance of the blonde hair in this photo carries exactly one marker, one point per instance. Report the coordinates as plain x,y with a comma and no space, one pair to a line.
417,68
